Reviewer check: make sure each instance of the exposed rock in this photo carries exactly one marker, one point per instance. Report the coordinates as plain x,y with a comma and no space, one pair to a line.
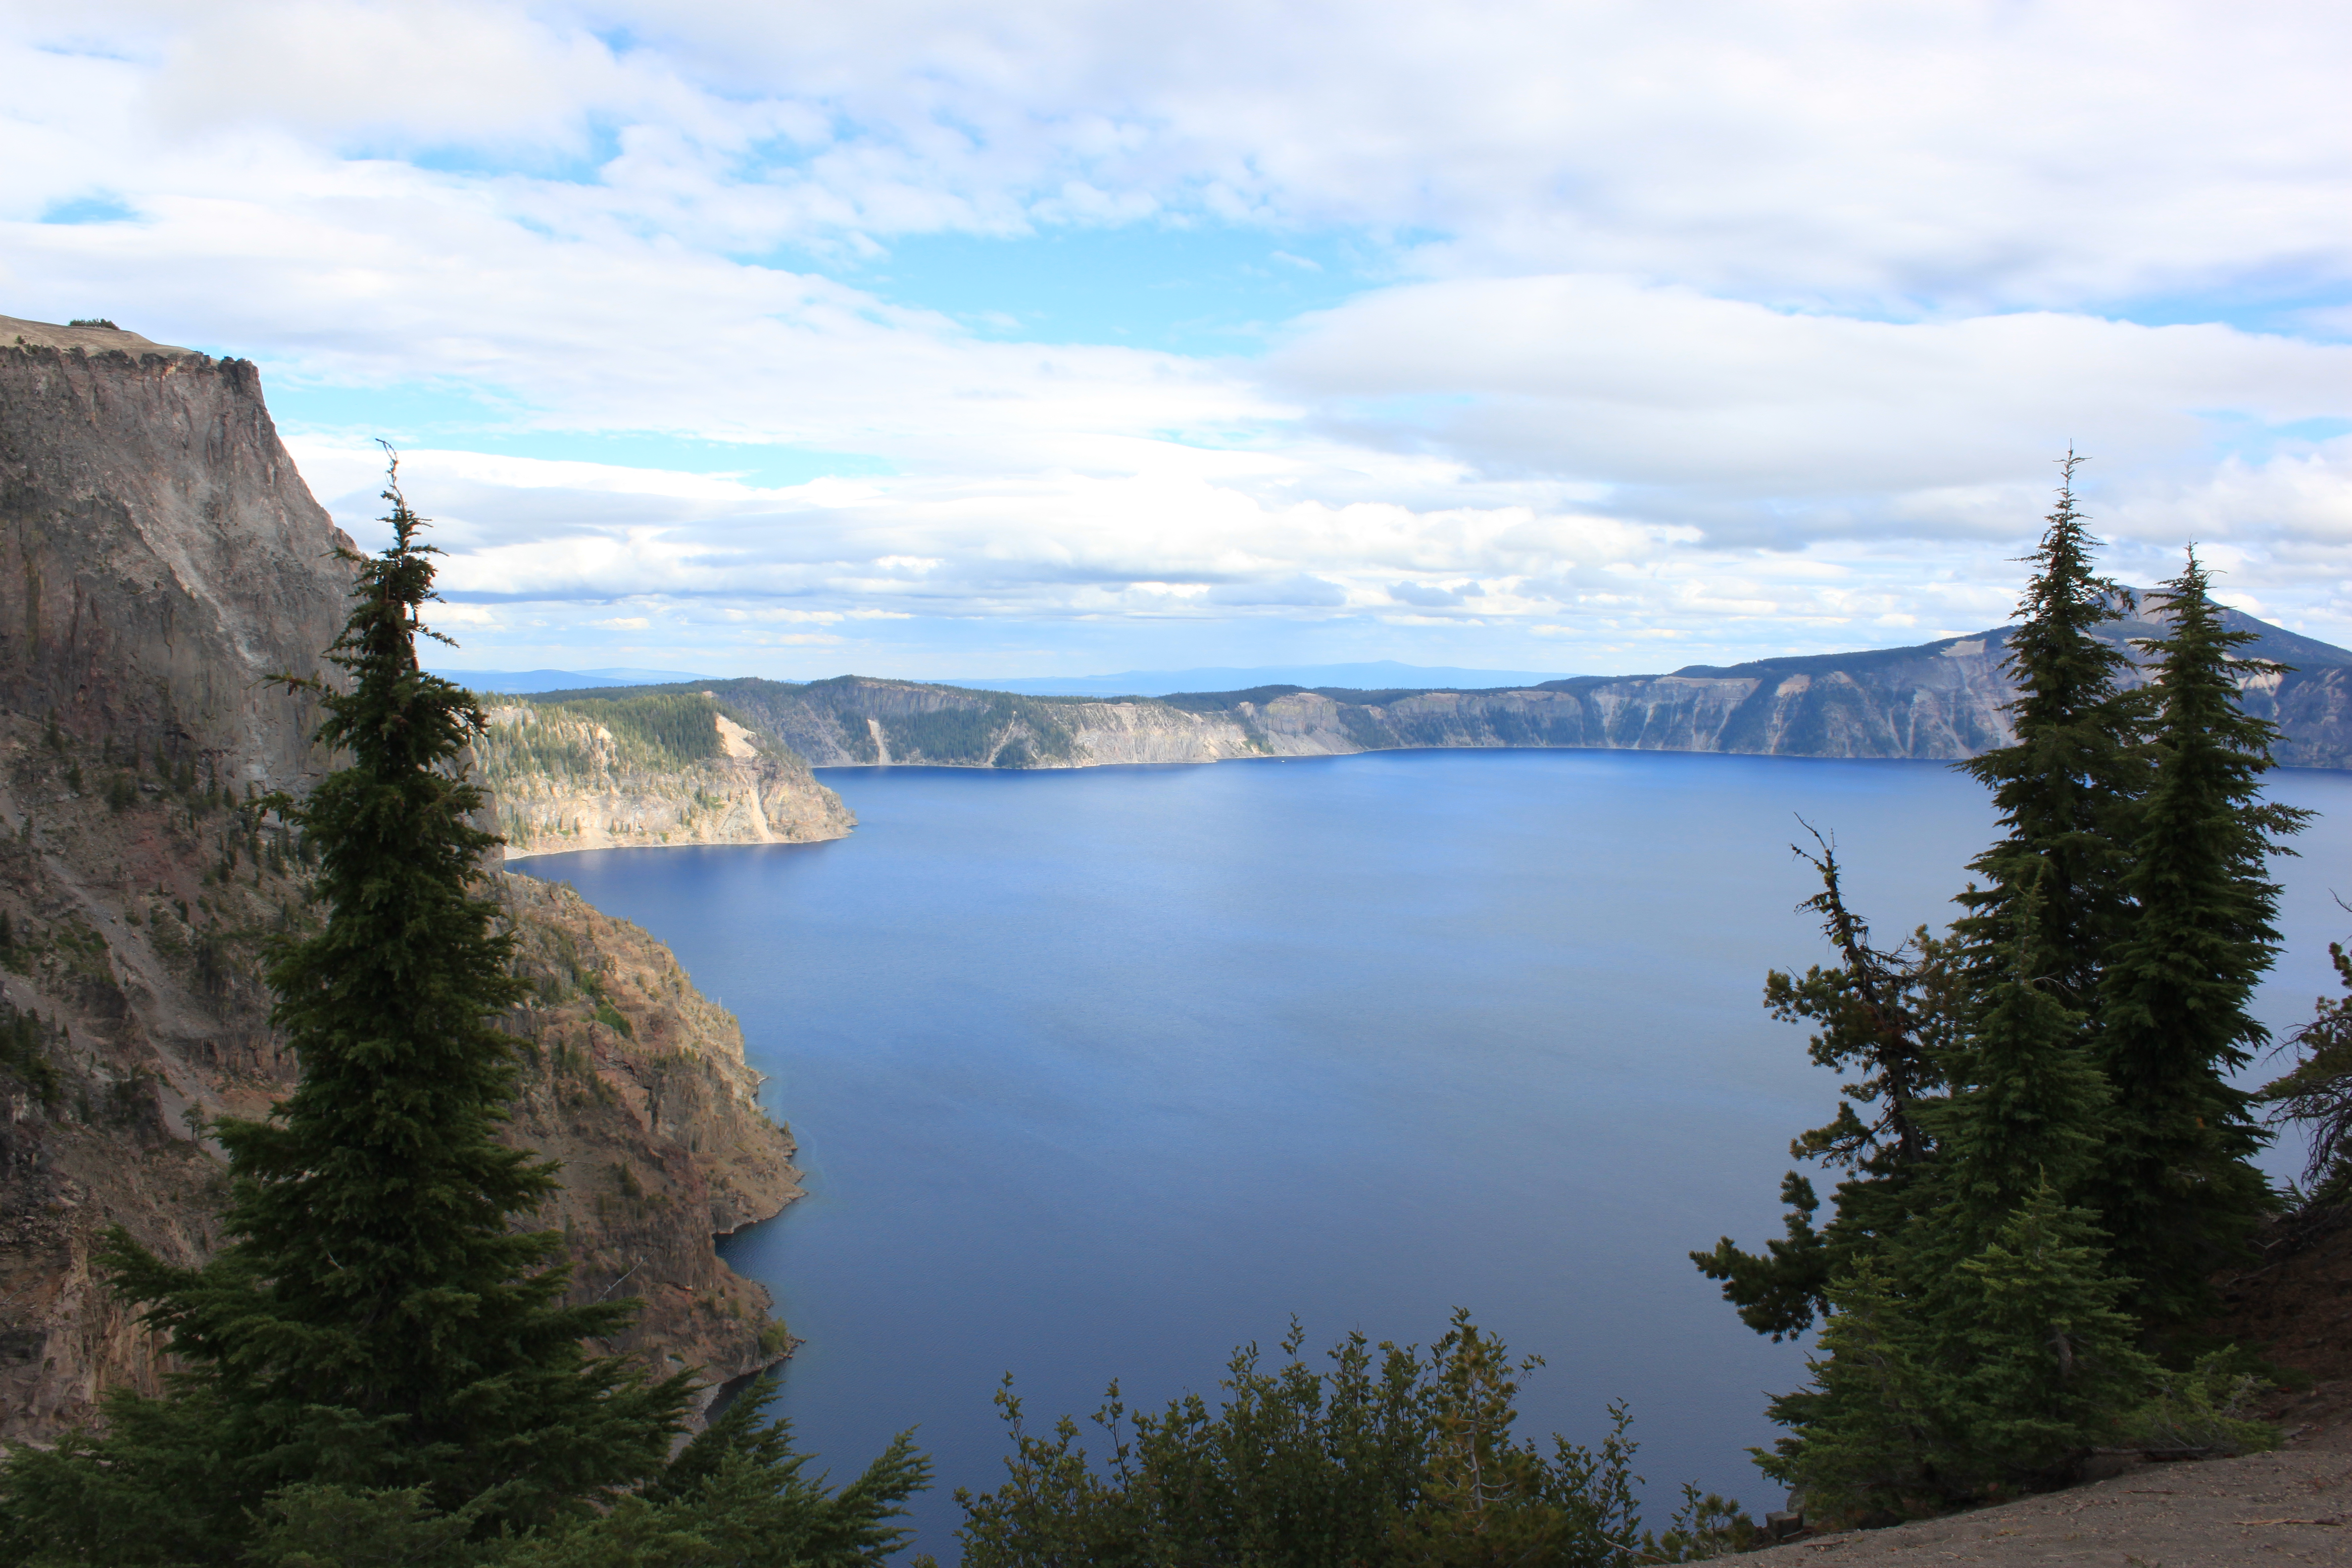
565,781
636,1081
163,558
160,557
1942,701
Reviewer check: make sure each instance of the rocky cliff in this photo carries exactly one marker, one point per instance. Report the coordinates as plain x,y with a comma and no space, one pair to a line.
159,555
601,774
1939,701
163,558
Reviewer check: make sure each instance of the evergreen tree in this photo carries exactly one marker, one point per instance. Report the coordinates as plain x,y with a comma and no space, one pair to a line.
737,1495
378,1320
1946,1383
1887,1018
2027,1107
2176,1184
2063,790
1936,1385
2317,1092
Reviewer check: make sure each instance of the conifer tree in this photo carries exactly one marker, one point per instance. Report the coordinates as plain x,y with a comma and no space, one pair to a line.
1938,1384
2027,1107
2317,1092
1946,1381
378,1318
2176,1184
2065,788
1888,1018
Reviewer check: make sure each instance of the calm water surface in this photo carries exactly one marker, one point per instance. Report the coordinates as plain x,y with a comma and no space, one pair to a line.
1096,1074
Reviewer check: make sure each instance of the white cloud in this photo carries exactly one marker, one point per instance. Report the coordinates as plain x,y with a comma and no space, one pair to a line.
1710,320
1949,151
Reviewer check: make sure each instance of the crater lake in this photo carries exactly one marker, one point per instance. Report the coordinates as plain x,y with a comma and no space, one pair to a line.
1100,1073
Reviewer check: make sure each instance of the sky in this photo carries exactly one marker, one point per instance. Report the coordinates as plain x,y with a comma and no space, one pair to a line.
938,339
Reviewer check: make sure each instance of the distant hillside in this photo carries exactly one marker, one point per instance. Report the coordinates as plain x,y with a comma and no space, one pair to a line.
509,682
1941,701
1382,674
668,767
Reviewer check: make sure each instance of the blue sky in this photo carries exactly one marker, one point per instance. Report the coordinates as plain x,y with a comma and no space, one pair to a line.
928,339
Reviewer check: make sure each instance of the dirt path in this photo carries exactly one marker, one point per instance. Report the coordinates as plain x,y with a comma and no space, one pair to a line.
2295,1506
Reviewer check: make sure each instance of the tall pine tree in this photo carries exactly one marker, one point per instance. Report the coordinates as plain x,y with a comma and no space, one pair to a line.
2176,1184
2027,1110
1976,1345
380,1318
2064,789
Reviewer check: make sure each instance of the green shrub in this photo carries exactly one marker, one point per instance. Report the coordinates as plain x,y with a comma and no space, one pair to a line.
1388,1458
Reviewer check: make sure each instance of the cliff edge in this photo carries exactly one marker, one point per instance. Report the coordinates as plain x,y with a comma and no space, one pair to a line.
163,558
671,770
1942,702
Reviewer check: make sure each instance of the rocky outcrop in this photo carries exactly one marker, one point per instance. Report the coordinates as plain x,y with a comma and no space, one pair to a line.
1942,701
160,558
636,1082
566,780
163,559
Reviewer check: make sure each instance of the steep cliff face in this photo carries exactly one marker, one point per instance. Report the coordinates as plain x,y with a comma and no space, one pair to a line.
573,778
166,558
1941,700
636,1082
159,554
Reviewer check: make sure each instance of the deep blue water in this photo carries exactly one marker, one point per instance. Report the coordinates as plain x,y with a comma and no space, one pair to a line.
1096,1074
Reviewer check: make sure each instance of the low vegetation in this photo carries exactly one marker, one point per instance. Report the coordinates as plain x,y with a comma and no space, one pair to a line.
1388,1458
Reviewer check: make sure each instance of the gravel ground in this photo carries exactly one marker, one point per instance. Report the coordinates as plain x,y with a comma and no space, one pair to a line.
2295,1506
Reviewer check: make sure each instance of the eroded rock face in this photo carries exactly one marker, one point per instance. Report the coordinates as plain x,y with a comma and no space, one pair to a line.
636,1082
1940,701
162,558
565,783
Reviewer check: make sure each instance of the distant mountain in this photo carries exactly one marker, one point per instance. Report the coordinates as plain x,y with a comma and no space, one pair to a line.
1939,701
516,681
1380,674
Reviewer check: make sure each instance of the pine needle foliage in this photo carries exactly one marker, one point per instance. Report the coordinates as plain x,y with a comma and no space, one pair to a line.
2176,1184
2027,1109
2054,1160
381,1317
1886,1018
2316,1093
1946,1384
2064,790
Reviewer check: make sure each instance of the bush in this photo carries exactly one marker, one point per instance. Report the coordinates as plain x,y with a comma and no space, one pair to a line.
1406,1458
